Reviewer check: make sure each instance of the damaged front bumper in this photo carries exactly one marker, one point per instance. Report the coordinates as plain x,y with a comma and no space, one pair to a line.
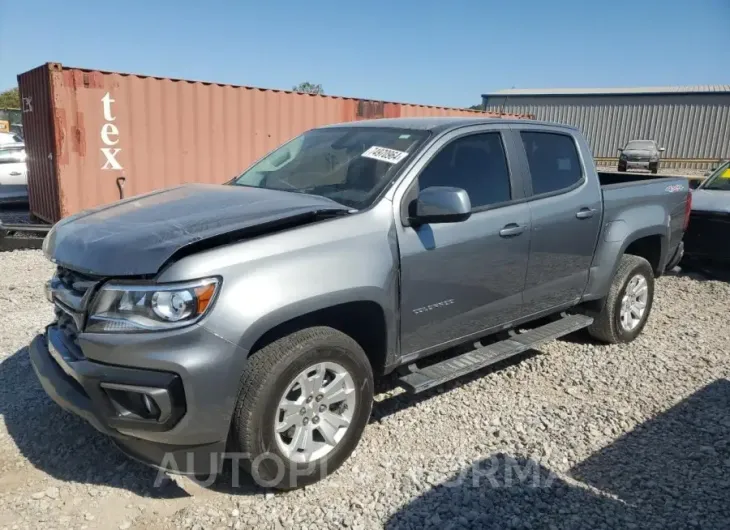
167,430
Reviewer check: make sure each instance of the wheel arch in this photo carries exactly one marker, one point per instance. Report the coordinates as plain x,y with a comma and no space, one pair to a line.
653,248
650,243
359,315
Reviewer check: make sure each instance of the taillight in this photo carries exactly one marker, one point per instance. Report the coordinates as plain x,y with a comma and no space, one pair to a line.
687,210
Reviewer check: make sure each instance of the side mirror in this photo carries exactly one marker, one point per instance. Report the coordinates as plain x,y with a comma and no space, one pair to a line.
440,204
661,149
620,149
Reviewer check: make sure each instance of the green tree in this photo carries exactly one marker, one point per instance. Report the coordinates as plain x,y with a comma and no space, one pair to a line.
309,88
10,99
476,107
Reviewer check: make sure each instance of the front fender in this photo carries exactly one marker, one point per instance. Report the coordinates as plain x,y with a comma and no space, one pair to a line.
276,289
269,280
300,308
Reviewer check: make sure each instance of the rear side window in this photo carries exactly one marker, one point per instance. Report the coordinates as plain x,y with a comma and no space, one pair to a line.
553,160
474,163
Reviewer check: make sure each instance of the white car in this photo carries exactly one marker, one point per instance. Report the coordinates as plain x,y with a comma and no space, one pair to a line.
13,170
9,138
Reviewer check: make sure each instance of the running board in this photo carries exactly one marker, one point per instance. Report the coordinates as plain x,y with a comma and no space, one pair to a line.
420,379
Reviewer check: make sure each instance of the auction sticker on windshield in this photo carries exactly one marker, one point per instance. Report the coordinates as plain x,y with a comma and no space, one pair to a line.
384,154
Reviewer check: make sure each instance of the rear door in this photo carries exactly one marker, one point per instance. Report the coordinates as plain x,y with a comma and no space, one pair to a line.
459,279
565,211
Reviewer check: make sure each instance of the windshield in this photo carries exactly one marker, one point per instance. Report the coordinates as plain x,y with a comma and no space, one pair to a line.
350,165
719,180
640,144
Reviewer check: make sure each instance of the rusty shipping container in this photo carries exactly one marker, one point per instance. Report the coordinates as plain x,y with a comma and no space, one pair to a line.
93,135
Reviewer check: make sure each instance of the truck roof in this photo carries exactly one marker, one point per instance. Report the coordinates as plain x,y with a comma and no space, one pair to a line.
441,123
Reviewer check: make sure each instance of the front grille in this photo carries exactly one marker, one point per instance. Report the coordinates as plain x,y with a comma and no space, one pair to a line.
72,293
75,282
66,324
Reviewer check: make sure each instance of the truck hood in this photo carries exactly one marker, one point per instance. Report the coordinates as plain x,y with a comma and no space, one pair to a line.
137,236
711,201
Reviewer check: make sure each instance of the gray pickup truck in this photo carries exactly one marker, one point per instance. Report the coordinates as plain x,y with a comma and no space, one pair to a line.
248,320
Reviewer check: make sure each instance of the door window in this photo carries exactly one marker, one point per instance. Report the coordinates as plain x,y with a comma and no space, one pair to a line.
553,160
475,163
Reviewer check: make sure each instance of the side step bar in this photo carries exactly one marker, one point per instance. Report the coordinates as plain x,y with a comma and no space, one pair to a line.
420,379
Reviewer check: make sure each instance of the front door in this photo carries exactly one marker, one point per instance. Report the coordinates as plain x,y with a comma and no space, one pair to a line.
459,279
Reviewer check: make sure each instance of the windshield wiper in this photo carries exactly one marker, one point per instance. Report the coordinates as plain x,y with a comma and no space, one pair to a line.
333,213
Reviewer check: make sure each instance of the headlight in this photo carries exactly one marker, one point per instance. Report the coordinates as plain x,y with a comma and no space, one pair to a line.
127,308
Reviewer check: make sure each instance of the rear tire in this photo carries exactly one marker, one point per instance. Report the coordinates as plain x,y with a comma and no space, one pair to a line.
654,169
621,168
272,378
609,326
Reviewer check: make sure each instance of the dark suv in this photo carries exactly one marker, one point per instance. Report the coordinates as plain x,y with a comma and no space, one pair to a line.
642,154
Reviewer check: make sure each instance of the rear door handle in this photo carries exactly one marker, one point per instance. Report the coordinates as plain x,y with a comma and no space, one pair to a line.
512,229
585,213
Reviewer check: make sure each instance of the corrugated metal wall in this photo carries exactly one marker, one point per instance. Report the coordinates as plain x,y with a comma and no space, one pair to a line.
158,132
694,128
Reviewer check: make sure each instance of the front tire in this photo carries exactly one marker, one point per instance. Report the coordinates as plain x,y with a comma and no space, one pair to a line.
303,404
628,304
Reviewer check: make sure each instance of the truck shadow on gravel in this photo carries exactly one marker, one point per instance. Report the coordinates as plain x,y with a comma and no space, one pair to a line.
672,471
62,445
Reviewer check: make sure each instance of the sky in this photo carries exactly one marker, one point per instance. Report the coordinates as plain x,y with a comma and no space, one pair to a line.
445,52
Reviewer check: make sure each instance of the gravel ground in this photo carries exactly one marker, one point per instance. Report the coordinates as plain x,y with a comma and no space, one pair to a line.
574,436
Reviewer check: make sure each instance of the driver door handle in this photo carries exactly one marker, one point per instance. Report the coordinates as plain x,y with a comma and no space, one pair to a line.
585,213
512,229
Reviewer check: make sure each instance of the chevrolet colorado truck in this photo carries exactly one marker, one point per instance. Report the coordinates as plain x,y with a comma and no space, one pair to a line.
248,319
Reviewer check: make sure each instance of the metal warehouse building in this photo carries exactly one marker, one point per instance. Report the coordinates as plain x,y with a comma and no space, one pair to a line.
691,122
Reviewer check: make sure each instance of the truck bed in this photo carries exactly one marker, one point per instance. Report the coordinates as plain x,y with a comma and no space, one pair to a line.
640,190
608,178
645,200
